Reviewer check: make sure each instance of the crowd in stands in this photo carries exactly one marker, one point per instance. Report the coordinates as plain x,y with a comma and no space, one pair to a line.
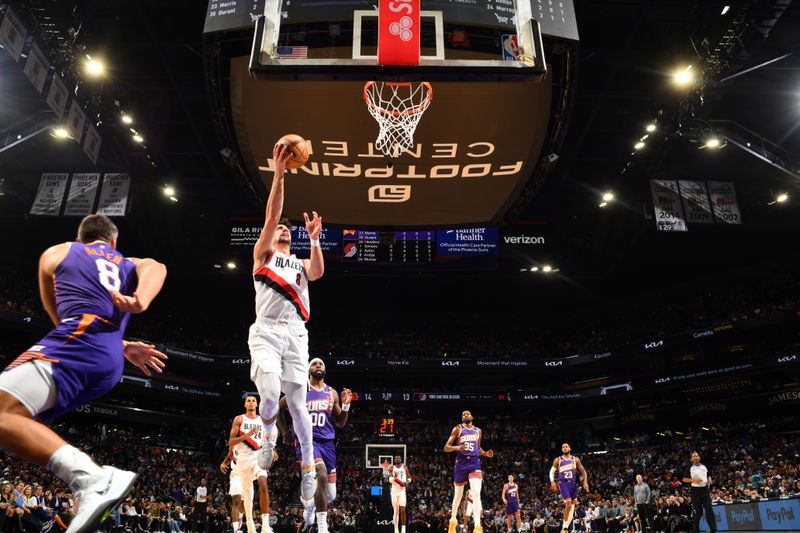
748,462
600,328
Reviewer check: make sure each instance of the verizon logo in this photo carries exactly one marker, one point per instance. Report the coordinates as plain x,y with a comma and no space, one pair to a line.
523,239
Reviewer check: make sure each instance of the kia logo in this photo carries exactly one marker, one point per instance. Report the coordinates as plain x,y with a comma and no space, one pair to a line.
171,387
345,362
531,397
662,380
451,363
787,358
654,344
240,361
553,363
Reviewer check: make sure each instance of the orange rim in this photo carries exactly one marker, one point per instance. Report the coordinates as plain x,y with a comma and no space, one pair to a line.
413,111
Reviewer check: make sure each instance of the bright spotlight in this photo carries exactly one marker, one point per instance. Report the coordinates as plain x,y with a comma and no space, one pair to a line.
231,265
713,143
547,268
725,9
127,119
639,145
607,197
602,204
782,198
650,127
169,191
683,77
173,199
534,269
138,138
59,133
95,67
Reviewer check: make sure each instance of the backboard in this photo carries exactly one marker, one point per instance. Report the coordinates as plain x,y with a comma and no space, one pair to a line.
473,151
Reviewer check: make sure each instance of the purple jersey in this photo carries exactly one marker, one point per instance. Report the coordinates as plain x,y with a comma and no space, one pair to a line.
85,349
84,278
512,498
567,470
320,407
469,438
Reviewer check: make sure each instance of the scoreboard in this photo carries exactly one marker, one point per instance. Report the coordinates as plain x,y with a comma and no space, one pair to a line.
388,246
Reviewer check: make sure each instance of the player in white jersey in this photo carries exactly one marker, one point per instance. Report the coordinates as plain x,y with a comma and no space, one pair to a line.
245,439
399,478
278,337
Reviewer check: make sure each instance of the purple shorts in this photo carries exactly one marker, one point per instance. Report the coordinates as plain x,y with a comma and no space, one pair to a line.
466,467
512,507
87,359
569,491
325,453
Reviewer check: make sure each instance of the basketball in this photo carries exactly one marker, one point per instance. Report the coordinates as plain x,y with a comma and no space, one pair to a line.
299,148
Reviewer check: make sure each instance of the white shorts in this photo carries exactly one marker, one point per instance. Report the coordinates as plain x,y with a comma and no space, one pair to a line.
398,499
32,384
279,347
242,474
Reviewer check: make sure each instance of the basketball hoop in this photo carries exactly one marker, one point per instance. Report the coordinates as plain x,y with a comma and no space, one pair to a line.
397,108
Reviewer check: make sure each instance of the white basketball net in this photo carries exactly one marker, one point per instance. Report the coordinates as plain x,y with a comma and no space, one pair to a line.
397,108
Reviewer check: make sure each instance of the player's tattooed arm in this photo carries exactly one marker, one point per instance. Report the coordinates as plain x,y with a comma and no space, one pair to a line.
483,453
450,445
339,413
583,473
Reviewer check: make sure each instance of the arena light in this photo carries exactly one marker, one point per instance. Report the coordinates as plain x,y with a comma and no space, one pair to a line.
714,143
650,127
173,199
704,428
547,269
644,137
127,119
231,265
138,138
169,191
725,9
639,145
683,77
534,269
602,204
781,198
608,196
59,133
94,67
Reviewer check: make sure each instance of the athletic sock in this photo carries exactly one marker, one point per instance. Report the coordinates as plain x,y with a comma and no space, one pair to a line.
74,467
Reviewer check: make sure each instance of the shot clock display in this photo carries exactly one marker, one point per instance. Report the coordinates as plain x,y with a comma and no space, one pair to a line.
386,428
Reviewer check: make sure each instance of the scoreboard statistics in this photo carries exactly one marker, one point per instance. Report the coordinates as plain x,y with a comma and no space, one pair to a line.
388,246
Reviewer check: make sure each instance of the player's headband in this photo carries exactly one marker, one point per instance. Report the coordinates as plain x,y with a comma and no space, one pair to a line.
315,360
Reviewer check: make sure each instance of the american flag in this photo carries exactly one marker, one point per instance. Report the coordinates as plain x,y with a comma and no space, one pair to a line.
293,52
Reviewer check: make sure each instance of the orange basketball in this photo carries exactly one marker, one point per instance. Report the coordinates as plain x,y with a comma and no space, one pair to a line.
299,148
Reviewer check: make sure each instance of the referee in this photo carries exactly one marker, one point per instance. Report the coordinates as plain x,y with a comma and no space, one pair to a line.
697,475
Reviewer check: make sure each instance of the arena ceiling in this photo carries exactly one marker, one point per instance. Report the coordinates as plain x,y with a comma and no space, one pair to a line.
628,50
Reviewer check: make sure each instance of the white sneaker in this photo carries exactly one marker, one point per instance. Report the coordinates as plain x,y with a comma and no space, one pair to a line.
99,497
309,515
308,486
266,454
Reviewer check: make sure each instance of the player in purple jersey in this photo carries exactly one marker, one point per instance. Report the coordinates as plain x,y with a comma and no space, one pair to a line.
567,467
465,441
326,411
88,289
511,501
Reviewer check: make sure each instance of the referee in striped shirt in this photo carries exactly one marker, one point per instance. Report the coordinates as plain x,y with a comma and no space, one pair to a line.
697,475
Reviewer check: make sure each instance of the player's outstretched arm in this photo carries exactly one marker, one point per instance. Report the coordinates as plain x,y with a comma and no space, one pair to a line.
151,275
263,247
450,445
48,263
341,406
144,356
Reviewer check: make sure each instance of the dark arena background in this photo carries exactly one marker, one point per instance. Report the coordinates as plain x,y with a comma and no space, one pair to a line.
592,237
